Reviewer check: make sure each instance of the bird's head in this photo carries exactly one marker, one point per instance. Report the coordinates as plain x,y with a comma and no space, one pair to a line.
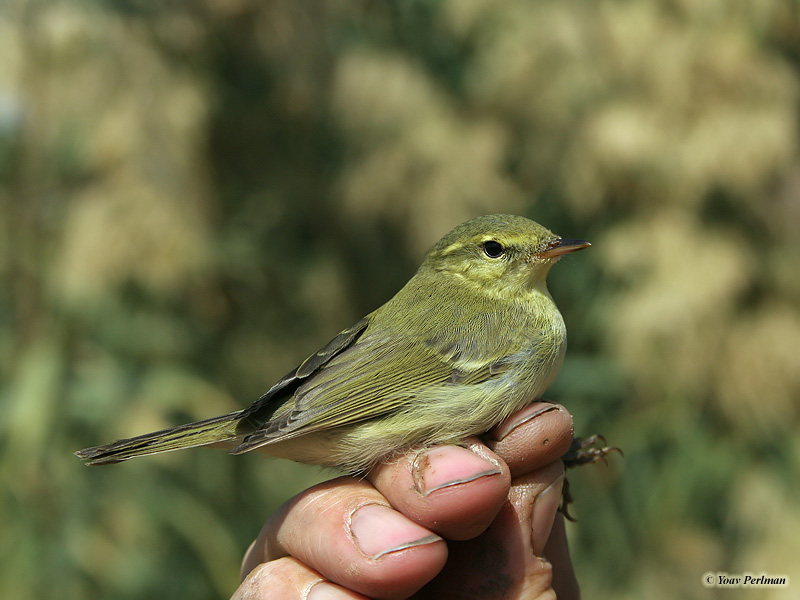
500,254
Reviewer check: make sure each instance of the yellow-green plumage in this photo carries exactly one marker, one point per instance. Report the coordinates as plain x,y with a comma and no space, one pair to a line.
471,338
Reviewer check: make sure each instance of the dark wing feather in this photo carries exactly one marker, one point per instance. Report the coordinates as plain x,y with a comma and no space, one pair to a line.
257,414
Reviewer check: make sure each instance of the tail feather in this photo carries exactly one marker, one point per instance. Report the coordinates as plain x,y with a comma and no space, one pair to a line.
200,433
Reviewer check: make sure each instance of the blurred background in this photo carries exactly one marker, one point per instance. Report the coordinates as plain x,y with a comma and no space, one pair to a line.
196,196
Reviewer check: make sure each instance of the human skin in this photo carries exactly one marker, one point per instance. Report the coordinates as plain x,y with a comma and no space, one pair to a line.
474,521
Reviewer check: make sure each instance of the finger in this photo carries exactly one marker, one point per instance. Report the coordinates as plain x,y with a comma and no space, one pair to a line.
455,491
506,560
533,437
346,531
289,579
565,582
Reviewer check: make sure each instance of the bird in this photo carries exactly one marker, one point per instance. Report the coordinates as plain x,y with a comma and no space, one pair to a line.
471,338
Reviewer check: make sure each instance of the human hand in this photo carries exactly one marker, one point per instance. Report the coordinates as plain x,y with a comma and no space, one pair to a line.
495,501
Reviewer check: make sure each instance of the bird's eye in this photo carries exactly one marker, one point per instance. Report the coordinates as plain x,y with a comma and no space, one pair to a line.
493,249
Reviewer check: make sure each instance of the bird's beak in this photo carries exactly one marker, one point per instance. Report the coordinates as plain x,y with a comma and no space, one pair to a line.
559,247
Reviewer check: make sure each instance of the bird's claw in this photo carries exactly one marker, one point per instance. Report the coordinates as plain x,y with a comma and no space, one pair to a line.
583,451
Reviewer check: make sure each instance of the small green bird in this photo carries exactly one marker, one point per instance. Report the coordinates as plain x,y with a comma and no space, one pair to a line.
471,338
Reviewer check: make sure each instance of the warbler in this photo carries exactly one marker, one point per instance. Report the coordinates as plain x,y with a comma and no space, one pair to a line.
471,338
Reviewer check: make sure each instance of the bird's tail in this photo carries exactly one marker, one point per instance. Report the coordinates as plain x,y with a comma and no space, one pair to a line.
200,433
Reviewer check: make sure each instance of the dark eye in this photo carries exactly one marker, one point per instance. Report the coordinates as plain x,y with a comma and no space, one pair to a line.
493,249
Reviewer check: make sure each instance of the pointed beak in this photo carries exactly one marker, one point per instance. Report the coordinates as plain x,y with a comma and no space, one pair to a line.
559,247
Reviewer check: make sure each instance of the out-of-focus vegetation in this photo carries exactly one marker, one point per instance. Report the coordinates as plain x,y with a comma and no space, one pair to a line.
194,196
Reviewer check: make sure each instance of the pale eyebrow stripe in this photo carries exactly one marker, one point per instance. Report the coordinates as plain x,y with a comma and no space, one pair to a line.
452,248
458,245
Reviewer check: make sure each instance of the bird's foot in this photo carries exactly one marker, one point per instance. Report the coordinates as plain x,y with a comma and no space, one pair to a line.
586,451
583,451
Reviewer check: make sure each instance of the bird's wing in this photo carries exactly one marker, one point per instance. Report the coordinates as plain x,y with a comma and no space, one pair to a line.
359,377
255,416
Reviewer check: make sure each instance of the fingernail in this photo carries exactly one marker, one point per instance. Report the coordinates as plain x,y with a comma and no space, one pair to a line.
323,590
378,530
545,506
444,466
528,414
